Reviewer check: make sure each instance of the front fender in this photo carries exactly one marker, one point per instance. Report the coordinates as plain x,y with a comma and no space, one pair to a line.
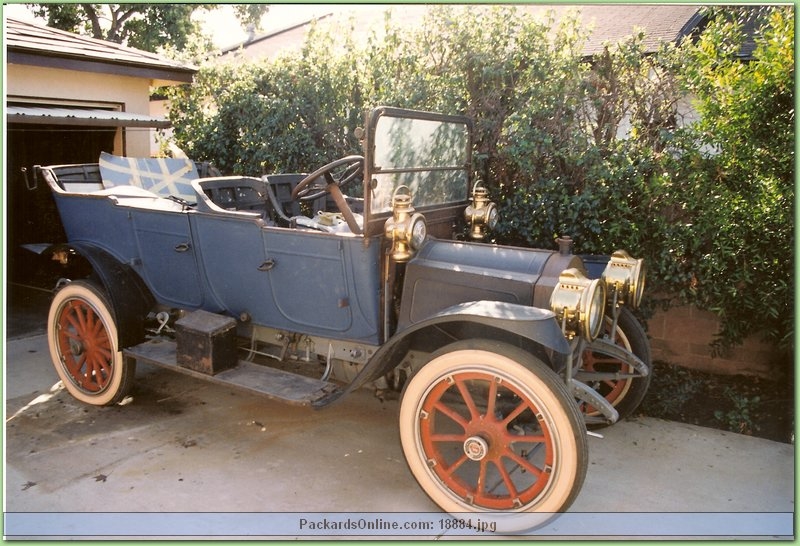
522,324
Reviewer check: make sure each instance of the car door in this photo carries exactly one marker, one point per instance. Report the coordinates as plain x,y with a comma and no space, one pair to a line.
296,280
167,256
325,284
309,280
231,250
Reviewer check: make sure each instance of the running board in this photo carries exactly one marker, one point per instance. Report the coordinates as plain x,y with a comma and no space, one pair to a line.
275,384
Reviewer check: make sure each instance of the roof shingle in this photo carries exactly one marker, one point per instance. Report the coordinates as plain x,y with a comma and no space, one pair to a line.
22,37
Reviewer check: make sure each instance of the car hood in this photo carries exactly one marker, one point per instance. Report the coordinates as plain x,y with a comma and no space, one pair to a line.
446,273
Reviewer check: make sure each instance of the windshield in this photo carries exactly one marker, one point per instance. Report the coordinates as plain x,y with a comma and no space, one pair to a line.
430,155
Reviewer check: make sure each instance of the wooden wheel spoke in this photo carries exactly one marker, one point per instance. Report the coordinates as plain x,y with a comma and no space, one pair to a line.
97,327
97,373
480,486
100,363
509,483
80,313
521,407
71,334
467,397
91,362
524,463
73,319
526,439
104,353
448,437
492,402
75,365
451,413
450,470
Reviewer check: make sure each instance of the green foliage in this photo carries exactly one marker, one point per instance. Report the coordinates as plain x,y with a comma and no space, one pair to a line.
290,115
743,175
595,151
250,14
157,25
671,390
740,417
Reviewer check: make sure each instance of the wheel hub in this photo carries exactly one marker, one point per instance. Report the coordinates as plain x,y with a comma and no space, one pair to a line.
476,448
76,347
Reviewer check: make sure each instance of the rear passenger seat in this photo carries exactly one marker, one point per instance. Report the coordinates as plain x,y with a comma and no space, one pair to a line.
163,176
134,196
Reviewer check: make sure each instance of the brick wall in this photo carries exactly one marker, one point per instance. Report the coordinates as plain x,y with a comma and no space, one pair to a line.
683,335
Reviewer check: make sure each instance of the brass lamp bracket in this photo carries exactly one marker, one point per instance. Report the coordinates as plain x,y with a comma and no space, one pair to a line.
624,278
406,228
480,213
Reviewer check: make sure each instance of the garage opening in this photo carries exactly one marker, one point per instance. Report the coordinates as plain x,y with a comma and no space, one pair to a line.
51,135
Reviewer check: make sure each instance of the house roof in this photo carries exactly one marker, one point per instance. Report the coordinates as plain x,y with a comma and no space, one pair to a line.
614,23
268,44
39,45
606,23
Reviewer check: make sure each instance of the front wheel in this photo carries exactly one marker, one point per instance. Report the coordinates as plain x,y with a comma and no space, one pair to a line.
82,335
487,427
628,390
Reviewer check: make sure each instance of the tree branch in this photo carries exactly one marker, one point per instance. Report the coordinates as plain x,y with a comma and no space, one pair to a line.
91,14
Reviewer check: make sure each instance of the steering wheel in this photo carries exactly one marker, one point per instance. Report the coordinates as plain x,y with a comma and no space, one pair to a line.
354,165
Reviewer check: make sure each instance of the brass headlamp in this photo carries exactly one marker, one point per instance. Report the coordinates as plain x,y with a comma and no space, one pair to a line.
579,304
481,213
625,276
406,228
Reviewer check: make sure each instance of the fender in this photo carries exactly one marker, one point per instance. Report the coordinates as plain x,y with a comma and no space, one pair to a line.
129,297
489,319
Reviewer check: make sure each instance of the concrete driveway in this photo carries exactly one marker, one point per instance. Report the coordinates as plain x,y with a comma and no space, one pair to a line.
188,458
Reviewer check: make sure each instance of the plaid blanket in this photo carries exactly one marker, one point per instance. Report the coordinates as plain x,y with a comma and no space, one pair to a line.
162,176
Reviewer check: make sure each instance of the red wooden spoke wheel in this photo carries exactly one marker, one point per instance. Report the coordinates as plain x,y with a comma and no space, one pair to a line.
82,335
610,389
479,455
482,431
85,346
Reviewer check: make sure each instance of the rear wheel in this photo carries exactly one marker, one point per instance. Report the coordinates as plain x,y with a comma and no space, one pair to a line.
487,427
82,335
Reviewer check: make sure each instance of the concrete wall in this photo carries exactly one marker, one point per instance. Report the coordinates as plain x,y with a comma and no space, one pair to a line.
683,335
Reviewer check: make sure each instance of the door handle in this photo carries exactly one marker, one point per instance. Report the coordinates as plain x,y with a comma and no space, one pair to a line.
182,247
267,265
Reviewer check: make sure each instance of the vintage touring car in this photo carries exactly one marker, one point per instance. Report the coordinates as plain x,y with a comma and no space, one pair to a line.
503,355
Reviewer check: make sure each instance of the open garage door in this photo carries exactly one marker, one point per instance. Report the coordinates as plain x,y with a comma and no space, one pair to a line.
51,135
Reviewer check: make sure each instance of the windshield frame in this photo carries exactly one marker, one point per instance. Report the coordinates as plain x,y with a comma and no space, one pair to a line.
438,212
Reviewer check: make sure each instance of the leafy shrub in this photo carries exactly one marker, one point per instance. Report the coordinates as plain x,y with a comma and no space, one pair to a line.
741,166
740,417
292,114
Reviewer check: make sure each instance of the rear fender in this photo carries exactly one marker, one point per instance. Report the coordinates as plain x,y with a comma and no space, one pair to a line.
531,328
129,297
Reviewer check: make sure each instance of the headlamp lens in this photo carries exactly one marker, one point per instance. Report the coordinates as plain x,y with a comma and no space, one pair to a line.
625,276
579,304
